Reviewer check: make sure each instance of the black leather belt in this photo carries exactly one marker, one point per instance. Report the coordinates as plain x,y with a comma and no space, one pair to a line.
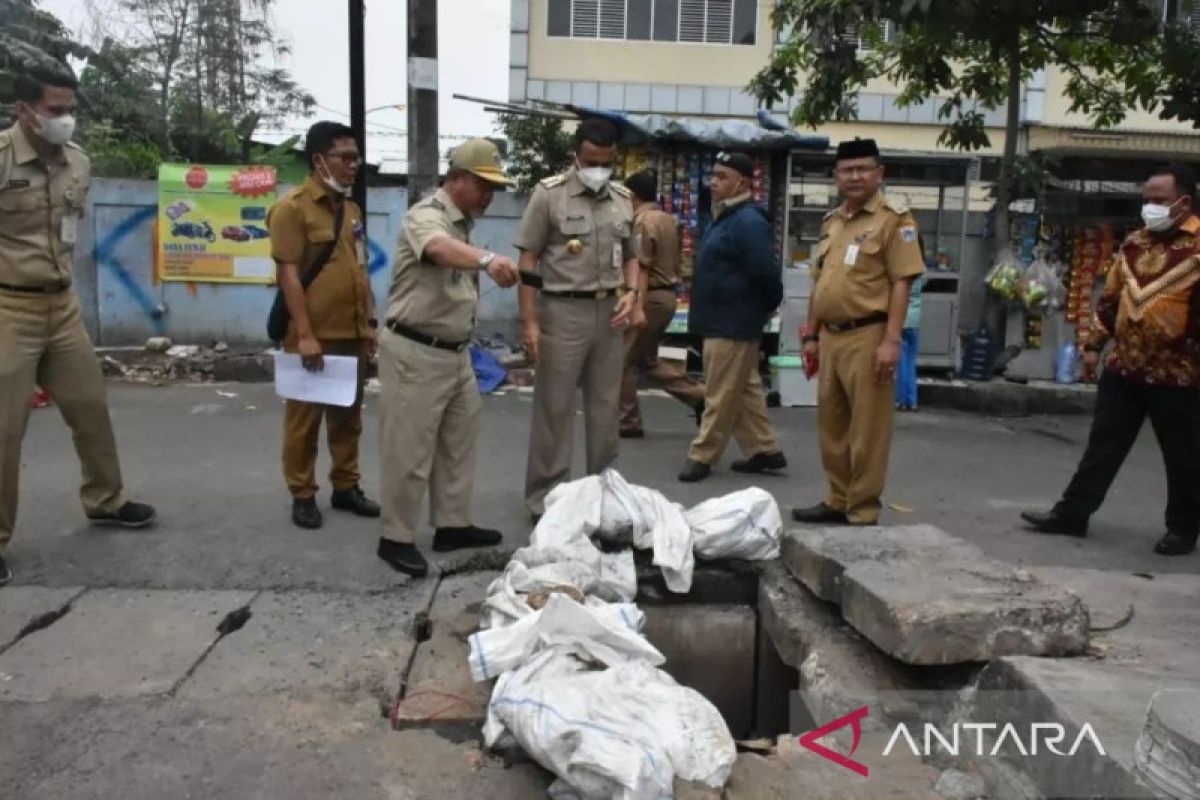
662,287
59,289
420,338
598,294
842,327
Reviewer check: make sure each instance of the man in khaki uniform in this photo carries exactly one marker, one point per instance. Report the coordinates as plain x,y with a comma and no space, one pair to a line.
430,403
44,181
333,316
866,260
579,226
658,253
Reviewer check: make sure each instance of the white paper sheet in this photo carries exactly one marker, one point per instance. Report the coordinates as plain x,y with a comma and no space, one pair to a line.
335,385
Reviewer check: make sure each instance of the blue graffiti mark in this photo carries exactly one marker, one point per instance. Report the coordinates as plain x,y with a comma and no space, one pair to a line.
105,257
378,257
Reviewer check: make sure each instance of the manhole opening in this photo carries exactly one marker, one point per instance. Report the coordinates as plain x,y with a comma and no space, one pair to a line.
714,643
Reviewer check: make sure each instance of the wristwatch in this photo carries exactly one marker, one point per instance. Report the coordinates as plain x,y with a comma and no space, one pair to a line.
636,292
485,260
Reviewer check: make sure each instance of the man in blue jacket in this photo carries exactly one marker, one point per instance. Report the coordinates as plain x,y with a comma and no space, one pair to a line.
736,286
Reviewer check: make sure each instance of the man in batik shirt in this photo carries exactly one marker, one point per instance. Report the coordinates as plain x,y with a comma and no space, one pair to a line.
1150,311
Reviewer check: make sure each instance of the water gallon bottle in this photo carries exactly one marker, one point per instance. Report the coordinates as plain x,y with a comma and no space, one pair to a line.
1068,359
977,358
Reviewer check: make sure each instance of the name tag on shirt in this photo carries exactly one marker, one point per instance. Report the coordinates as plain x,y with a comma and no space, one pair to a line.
851,255
70,228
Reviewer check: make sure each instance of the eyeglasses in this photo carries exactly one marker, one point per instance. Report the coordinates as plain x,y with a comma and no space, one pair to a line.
856,171
349,159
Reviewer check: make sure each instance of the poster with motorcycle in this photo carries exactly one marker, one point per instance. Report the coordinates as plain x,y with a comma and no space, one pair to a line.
212,223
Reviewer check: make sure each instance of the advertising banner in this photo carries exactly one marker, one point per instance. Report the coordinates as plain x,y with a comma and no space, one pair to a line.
212,223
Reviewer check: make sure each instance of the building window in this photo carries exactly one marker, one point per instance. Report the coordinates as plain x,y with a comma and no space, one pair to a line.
854,34
691,21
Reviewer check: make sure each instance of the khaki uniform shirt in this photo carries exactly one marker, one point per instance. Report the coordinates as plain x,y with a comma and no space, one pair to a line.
657,244
433,300
339,301
583,239
860,257
41,205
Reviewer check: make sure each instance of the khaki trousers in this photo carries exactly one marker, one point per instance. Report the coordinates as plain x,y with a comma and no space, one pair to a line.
343,428
43,343
641,356
854,418
734,403
578,349
429,425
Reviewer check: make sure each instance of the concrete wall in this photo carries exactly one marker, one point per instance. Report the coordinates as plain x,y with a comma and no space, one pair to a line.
124,305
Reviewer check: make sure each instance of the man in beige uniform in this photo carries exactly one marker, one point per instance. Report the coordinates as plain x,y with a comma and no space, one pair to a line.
430,402
579,226
658,253
866,260
44,182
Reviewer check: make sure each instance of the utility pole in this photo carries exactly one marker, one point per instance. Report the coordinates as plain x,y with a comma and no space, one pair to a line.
358,100
422,98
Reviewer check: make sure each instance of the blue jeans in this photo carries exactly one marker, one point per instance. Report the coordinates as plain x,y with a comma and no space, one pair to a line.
906,373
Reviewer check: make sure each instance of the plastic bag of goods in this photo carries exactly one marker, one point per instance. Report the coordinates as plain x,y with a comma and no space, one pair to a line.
623,733
1037,285
1004,278
744,525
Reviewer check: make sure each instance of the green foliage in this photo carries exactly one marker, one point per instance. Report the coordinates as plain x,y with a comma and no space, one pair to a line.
115,156
30,40
537,148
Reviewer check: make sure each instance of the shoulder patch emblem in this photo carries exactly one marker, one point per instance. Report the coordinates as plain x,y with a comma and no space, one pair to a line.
908,233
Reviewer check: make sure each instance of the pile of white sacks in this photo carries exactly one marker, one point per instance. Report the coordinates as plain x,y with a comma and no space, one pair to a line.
578,685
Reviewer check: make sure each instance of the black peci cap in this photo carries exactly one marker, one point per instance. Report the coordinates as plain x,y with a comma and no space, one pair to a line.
739,162
857,148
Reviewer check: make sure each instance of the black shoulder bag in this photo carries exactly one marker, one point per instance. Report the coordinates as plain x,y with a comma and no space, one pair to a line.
277,320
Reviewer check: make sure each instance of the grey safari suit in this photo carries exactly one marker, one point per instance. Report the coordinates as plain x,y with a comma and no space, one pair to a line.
430,409
42,338
583,240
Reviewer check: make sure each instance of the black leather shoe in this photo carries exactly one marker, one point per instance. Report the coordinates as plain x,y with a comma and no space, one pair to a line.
130,515
5,572
305,513
694,472
354,501
1054,523
403,557
820,514
1173,544
761,462
446,539
633,433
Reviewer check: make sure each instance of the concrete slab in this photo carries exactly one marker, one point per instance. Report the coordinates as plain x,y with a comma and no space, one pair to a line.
925,597
710,649
262,747
840,671
303,641
117,643
1168,751
438,688
22,605
1157,648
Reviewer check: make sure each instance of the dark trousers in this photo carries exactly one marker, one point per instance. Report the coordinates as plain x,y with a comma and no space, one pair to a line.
1121,407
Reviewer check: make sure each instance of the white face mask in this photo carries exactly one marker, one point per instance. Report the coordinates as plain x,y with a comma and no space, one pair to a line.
595,178
1157,217
333,183
56,130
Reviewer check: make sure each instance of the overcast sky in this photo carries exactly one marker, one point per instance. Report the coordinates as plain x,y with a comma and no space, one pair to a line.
472,49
